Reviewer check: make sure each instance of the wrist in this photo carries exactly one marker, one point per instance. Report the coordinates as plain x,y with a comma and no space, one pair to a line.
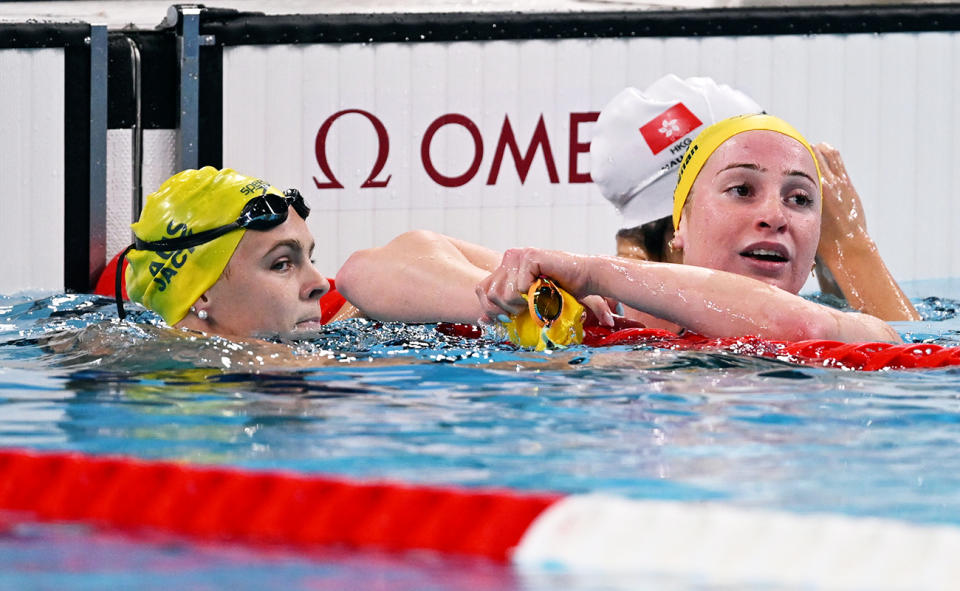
835,249
599,270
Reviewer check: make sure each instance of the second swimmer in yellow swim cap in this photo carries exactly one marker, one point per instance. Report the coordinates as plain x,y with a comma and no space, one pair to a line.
553,318
225,253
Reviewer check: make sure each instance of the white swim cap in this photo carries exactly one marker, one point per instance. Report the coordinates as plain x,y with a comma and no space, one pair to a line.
639,140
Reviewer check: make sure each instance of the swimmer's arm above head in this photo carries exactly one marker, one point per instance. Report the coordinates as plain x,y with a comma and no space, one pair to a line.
419,276
847,249
712,303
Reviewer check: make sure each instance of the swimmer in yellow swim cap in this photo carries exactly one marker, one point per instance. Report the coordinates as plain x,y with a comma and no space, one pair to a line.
760,167
747,215
225,253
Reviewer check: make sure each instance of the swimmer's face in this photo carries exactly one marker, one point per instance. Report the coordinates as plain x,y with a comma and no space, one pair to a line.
754,210
270,285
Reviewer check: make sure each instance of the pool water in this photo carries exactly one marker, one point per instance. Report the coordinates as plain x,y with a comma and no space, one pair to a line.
389,401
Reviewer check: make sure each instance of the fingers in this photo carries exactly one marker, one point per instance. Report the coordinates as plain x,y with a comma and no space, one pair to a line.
826,171
836,163
496,302
600,308
500,293
830,161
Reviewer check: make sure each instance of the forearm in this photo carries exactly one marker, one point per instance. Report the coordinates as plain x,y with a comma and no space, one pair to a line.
847,250
417,277
716,303
862,276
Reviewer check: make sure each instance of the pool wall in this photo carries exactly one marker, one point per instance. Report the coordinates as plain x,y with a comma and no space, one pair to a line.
473,124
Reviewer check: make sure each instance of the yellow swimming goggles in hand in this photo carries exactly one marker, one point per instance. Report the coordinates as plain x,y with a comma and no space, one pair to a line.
554,318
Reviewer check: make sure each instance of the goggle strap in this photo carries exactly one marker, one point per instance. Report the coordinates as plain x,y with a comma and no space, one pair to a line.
118,283
185,242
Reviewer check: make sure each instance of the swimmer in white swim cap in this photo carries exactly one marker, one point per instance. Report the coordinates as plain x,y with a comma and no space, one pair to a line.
637,143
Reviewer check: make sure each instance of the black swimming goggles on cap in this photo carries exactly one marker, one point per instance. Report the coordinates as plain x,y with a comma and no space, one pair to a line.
260,213
263,212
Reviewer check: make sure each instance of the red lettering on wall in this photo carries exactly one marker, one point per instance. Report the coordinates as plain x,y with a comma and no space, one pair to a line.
470,126
383,150
577,147
523,164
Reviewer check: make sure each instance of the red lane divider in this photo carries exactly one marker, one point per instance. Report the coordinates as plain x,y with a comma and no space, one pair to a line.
264,507
862,356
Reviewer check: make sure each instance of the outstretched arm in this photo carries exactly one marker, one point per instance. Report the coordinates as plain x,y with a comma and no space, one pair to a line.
847,250
419,276
709,302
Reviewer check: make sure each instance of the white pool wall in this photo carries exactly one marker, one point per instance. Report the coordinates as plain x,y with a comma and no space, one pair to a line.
31,169
887,101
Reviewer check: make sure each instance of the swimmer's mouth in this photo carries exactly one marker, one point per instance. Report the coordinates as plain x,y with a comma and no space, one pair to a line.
308,323
773,255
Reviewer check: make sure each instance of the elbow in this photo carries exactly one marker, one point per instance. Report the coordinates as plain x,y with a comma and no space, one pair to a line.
846,327
351,276
888,334
415,240
362,265
812,327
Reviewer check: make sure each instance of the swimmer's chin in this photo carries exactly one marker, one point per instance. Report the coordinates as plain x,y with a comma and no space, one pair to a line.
307,325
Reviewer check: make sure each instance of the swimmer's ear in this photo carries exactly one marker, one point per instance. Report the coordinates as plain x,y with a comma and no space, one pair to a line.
677,242
197,318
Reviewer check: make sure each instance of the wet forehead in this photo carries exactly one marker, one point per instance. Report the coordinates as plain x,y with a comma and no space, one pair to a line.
766,150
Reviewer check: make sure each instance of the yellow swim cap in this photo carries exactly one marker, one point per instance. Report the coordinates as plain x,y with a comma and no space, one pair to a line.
711,138
188,202
528,330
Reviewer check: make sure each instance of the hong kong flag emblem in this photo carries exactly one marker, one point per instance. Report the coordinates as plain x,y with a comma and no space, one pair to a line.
668,127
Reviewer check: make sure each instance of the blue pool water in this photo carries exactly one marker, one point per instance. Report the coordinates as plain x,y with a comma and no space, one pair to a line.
374,401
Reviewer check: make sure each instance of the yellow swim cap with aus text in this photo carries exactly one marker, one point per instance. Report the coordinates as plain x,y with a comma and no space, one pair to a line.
711,138
526,329
187,203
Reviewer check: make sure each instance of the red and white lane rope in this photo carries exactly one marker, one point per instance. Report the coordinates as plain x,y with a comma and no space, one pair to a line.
586,534
725,545
264,507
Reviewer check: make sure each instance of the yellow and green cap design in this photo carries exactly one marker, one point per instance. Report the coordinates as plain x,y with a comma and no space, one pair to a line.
711,138
188,202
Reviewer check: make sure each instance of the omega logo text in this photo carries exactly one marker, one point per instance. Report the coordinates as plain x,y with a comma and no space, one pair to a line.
538,148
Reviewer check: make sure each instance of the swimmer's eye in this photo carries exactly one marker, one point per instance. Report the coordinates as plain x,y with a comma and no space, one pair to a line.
281,265
740,190
801,200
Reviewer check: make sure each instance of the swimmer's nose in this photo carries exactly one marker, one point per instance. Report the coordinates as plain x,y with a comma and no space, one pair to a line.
771,214
315,285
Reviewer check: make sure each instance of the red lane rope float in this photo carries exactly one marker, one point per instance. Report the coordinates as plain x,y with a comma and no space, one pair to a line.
264,507
861,356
